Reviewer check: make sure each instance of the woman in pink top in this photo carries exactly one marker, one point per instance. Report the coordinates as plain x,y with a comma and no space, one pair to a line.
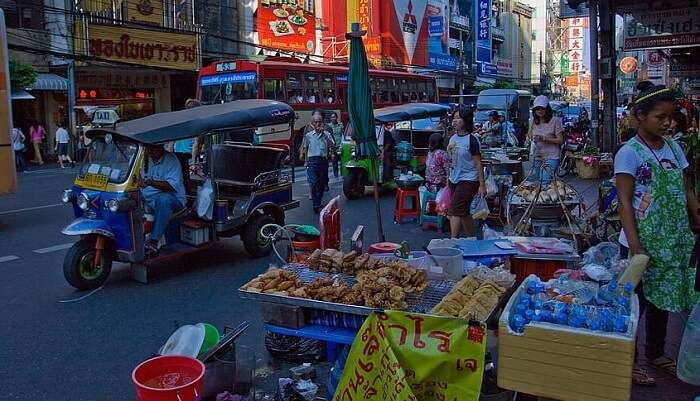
546,132
37,135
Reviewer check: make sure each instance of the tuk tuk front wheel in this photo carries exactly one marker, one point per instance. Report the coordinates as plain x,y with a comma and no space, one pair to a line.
254,242
80,269
354,185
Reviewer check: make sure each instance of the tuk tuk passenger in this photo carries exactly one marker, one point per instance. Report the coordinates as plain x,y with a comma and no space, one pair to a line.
163,190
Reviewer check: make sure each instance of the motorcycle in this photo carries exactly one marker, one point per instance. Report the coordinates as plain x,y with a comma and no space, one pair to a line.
574,141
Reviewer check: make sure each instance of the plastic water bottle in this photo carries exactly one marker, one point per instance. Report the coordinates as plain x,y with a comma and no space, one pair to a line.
620,324
607,293
689,354
518,323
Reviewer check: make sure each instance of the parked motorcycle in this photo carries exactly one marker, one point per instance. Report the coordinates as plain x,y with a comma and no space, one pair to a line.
574,141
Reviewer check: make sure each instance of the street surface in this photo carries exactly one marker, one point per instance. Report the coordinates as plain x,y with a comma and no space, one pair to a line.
61,344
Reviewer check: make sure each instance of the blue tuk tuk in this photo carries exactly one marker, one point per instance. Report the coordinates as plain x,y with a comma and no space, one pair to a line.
247,186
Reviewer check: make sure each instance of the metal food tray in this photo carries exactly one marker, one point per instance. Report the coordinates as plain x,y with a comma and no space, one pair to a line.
419,303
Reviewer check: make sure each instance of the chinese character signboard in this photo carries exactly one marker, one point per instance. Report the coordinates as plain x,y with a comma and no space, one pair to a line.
662,29
402,356
141,46
285,26
483,34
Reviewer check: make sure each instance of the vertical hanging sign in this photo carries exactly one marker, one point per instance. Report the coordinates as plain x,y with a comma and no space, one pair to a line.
483,34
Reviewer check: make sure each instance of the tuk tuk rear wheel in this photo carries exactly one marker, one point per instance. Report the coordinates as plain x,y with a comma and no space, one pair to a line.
79,266
354,185
253,241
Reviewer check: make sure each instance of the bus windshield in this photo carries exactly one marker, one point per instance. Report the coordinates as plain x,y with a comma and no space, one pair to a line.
228,91
109,158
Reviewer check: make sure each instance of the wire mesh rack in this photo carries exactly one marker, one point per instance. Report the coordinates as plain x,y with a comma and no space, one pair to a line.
419,303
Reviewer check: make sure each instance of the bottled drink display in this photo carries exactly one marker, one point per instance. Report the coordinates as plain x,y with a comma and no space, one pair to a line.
576,304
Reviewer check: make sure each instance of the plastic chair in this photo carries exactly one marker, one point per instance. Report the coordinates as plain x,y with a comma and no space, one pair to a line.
401,211
435,219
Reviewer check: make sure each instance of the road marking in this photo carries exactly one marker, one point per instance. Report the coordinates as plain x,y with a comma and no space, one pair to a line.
54,248
8,258
27,209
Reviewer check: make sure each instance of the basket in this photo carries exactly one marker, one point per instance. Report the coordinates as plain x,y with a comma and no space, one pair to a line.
587,172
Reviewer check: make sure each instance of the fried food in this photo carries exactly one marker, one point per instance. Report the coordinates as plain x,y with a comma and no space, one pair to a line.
470,299
274,281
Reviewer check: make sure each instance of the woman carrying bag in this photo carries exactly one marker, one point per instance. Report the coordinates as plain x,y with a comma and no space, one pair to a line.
466,178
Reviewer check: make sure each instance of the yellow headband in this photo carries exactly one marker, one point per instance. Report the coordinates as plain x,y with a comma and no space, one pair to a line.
651,94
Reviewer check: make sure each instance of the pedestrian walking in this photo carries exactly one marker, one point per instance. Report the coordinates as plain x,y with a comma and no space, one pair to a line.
466,178
657,209
62,140
315,149
37,134
18,138
337,130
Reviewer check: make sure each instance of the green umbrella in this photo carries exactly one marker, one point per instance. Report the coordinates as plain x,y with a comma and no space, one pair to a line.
361,111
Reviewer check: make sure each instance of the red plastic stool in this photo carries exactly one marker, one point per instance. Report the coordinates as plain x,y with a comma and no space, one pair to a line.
383,247
401,211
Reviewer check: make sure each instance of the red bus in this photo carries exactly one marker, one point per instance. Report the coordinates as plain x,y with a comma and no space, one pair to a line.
305,87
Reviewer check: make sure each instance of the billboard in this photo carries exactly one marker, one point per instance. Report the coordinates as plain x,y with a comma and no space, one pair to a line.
287,26
417,33
662,29
366,12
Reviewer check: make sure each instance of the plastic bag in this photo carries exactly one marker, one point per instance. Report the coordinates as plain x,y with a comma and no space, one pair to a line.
205,200
491,186
443,199
479,208
489,233
605,254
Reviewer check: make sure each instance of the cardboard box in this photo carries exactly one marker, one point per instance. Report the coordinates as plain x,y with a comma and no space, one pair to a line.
565,363
282,315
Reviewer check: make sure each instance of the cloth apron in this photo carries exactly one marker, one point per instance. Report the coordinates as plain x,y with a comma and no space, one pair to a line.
665,235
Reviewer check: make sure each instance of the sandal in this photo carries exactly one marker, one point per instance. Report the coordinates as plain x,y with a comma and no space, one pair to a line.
640,377
665,363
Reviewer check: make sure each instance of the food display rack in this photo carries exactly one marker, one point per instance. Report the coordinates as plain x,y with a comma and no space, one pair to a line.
421,303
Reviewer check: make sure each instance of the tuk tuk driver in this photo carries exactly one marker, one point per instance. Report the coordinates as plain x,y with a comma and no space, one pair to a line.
163,190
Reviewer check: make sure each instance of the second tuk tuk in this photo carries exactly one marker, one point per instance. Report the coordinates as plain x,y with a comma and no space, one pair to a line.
359,172
247,189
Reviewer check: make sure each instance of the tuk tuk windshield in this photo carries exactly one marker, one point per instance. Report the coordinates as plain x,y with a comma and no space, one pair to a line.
112,159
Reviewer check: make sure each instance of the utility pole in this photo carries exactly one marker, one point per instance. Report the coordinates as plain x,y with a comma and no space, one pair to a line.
70,75
595,88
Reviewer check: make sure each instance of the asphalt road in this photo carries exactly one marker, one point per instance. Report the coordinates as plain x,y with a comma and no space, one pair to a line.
58,344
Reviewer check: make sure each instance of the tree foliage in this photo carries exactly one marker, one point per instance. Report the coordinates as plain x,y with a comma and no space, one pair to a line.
500,84
22,75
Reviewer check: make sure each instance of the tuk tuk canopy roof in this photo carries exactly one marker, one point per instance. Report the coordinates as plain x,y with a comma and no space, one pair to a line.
172,126
410,111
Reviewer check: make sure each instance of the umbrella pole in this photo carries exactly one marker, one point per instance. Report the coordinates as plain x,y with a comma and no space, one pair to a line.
380,228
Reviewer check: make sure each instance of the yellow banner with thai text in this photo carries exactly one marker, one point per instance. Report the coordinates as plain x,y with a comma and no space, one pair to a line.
147,47
402,356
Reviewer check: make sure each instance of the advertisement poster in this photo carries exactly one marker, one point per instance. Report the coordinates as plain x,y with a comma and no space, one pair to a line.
366,12
418,33
406,356
662,29
289,25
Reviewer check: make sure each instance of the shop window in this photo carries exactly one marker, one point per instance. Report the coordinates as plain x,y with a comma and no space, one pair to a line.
274,89
328,89
294,89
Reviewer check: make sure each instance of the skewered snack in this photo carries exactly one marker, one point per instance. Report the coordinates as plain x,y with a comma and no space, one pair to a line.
274,281
551,193
470,299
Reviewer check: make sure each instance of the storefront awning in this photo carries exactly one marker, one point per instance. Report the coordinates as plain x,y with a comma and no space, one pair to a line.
19,94
49,82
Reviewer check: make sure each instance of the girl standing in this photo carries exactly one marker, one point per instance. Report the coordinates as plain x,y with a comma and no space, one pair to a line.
436,164
546,132
657,207
37,134
466,178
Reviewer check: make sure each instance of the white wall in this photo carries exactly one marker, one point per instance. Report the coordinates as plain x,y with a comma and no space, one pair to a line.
539,28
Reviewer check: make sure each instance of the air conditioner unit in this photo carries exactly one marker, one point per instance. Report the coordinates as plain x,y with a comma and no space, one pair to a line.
605,68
